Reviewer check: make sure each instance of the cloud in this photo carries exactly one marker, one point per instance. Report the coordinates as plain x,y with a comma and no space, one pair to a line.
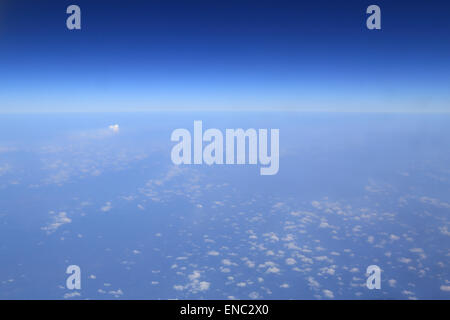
194,275
94,134
313,283
328,293
290,261
254,295
445,288
58,220
392,282
106,207
203,285
195,284
404,260
315,204
394,237
271,236
250,263
72,295
323,258
328,270
434,202
444,230
273,270
114,128
228,262
116,293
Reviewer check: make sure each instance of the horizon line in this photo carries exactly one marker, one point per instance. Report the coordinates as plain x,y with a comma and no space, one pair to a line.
172,110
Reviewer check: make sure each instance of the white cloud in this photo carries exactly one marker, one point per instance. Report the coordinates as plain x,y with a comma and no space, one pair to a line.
106,207
72,295
273,270
116,293
290,261
313,283
444,230
114,128
58,220
392,282
434,202
404,260
95,134
250,264
254,295
228,262
203,285
328,270
194,275
445,288
271,236
195,284
315,204
328,293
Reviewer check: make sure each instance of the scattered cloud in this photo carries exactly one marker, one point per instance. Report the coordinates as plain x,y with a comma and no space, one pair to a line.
328,293
106,207
114,128
58,220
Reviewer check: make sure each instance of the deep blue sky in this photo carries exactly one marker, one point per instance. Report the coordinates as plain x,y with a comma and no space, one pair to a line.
211,55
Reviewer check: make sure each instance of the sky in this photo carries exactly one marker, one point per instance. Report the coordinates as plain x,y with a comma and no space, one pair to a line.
224,55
